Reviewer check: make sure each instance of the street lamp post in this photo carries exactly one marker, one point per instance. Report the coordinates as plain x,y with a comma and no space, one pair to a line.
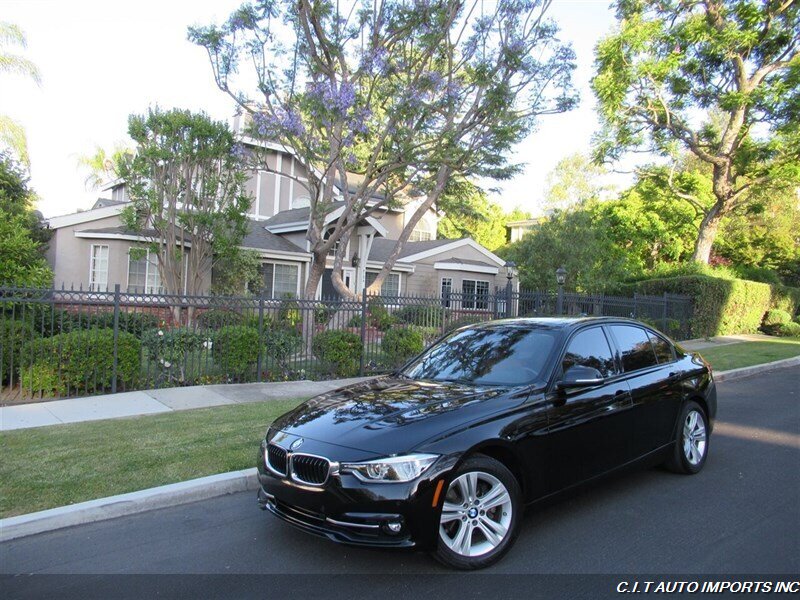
510,266
561,277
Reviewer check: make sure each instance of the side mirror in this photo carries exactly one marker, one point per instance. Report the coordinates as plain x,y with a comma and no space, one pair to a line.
580,376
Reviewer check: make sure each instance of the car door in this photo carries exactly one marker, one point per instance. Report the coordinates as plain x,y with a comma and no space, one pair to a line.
654,390
589,429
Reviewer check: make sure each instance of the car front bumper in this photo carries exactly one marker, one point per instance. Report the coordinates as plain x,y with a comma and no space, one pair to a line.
347,510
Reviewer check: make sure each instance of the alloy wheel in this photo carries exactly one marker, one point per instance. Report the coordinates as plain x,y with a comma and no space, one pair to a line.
694,437
476,515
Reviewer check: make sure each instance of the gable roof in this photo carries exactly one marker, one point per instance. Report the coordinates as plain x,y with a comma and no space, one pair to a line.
381,248
414,251
258,238
86,216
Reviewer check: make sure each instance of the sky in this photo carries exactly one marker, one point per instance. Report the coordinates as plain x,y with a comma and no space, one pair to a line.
101,61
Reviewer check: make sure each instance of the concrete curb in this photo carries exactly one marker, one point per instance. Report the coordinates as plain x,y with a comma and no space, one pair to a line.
205,487
756,369
128,504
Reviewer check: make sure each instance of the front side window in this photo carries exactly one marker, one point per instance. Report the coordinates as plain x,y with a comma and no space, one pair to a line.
589,348
390,286
503,355
98,267
280,281
634,346
421,233
475,294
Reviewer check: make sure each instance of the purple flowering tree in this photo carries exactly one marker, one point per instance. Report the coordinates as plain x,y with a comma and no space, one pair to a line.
406,93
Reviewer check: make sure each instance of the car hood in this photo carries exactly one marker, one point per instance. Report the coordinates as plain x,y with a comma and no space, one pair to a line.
388,415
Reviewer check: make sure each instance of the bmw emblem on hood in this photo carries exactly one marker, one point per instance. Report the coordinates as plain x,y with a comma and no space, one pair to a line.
296,444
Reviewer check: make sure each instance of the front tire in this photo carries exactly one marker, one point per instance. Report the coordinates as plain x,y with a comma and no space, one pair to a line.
691,447
480,516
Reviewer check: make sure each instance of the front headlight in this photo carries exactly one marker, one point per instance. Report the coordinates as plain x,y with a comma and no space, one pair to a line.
392,469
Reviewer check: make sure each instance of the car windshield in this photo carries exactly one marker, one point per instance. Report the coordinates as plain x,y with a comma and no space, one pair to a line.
501,355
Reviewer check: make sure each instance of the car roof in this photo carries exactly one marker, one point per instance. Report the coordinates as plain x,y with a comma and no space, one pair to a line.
557,322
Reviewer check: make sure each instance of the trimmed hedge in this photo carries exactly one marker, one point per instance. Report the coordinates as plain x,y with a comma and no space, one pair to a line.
723,306
81,361
789,330
401,344
339,351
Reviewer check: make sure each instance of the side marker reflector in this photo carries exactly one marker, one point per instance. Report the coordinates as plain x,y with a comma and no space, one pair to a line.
436,494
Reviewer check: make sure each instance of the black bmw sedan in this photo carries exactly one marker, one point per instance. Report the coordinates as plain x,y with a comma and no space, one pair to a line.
446,453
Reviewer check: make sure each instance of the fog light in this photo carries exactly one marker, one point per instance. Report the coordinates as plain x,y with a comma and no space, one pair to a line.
394,527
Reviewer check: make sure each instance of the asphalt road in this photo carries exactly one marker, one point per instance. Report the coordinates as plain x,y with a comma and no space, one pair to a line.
740,515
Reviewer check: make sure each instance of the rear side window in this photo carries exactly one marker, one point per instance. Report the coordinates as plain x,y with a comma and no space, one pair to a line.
662,347
634,347
589,348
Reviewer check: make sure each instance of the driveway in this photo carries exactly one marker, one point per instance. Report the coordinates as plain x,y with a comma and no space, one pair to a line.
740,515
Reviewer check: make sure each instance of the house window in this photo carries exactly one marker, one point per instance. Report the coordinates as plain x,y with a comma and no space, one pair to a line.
98,267
280,280
335,248
143,275
475,294
390,286
421,233
447,289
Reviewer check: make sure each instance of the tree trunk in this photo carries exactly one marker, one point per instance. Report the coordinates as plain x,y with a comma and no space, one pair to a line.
707,234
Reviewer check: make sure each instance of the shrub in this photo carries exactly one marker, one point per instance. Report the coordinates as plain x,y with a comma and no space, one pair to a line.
40,378
339,351
776,316
789,330
14,334
323,313
762,274
83,361
429,334
401,344
424,315
379,317
280,343
170,346
236,349
217,318
289,313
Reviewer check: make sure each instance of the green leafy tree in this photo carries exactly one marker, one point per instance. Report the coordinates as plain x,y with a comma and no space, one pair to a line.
12,133
186,187
22,235
577,240
406,94
237,273
468,212
719,79
574,180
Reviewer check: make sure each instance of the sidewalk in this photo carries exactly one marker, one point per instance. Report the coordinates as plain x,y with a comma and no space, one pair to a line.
724,340
148,402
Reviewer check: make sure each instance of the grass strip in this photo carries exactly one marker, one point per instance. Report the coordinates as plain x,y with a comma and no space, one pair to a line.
46,467
746,354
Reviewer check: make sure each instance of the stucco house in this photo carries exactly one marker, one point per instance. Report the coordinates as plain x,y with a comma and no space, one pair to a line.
91,249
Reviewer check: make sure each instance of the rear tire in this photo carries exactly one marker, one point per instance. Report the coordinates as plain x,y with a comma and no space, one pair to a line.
691,446
481,513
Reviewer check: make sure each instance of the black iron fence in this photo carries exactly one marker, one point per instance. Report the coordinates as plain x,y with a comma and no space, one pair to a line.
62,343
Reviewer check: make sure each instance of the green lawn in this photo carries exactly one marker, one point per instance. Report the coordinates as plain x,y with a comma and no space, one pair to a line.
63,464
745,354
